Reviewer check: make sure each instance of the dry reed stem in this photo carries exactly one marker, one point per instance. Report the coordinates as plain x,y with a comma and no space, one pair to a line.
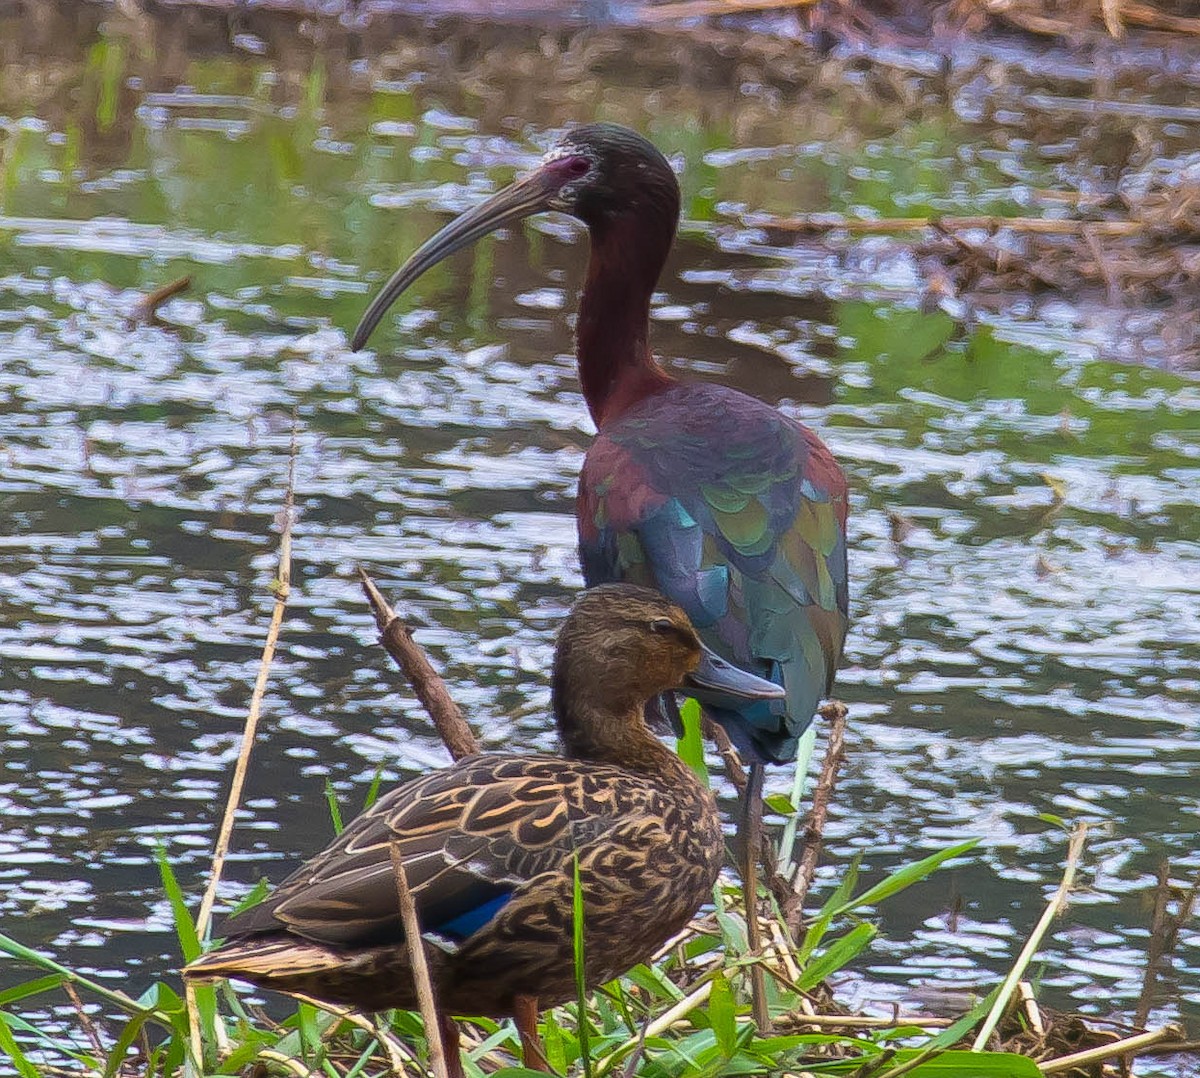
1154,947
1053,908
734,771
1032,1012
147,310
680,1010
660,1025
1141,15
782,950
282,589
286,1061
1109,1051
426,682
699,9
861,1021
395,1050
414,941
1044,226
1110,12
793,907
736,774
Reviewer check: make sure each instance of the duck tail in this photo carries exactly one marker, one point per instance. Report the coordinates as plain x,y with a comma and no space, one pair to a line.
264,959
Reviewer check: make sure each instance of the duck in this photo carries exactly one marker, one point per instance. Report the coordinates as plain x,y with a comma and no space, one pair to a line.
490,847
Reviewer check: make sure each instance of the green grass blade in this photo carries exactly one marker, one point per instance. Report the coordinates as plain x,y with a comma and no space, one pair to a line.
185,928
119,1050
804,751
836,901
554,1043
11,947
953,1064
580,971
30,988
906,876
952,1034
9,1046
722,1014
653,980
251,898
836,955
691,746
373,789
335,810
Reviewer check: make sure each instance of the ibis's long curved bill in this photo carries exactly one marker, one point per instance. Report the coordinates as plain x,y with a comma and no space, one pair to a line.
715,674
532,194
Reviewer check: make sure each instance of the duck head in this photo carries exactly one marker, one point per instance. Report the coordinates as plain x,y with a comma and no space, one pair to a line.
620,646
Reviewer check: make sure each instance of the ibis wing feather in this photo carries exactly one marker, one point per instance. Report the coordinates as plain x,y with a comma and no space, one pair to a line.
737,513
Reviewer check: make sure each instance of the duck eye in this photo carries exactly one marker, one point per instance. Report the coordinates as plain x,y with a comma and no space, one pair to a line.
663,625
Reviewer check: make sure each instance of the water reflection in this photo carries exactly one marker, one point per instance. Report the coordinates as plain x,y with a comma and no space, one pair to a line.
1025,526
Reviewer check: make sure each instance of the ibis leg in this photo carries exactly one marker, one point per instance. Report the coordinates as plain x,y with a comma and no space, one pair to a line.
750,827
525,1011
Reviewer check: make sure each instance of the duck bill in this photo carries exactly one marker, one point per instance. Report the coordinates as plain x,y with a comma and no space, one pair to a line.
533,194
714,674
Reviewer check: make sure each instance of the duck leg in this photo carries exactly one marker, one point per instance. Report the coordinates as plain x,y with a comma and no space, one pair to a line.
448,1028
525,1011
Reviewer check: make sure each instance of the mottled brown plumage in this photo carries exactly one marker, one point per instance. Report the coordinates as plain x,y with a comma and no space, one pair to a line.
489,844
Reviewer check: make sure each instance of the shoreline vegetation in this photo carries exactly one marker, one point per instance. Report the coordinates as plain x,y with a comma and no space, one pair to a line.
1110,79
687,1012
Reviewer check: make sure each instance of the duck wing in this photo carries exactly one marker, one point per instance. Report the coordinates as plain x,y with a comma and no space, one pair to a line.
469,835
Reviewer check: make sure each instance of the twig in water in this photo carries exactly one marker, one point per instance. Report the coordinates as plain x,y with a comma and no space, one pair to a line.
415,943
147,310
426,682
1108,1051
85,1021
793,908
1053,908
1164,934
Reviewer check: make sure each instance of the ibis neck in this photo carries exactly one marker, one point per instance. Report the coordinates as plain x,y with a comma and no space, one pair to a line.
616,368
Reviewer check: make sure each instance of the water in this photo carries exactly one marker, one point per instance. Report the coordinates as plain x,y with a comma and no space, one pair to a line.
1025,526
